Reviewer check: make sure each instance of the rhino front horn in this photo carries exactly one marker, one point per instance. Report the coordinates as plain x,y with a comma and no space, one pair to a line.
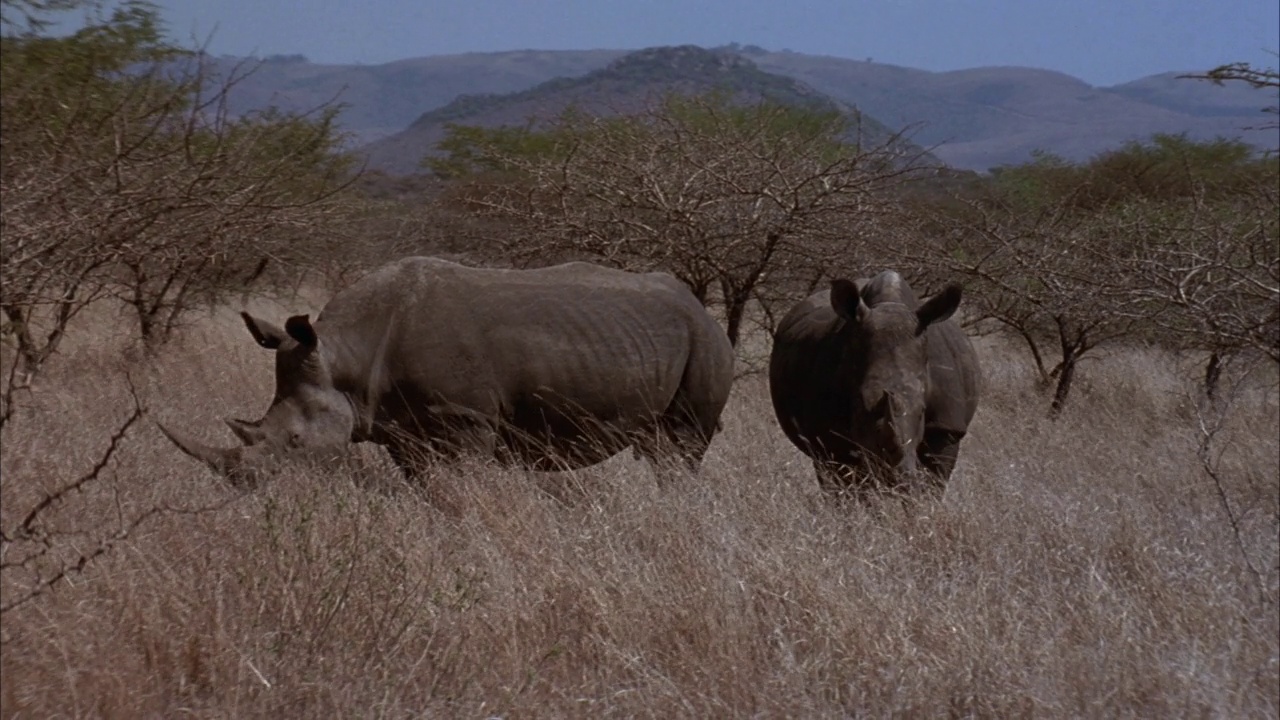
248,432
223,461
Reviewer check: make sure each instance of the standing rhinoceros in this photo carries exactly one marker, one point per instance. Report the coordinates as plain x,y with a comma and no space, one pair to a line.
552,368
873,385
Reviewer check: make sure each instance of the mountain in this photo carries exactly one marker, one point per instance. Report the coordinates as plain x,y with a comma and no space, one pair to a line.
383,99
1199,98
626,85
977,118
983,117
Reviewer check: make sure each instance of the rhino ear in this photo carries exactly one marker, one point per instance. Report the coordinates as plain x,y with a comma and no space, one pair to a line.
299,328
267,334
847,301
939,307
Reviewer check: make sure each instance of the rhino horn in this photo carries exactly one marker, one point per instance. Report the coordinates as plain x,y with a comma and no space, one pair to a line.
250,433
224,461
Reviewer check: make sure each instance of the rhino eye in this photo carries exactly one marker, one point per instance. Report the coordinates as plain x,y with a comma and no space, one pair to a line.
295,439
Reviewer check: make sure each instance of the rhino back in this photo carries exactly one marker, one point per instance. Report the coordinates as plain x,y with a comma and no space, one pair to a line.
573,338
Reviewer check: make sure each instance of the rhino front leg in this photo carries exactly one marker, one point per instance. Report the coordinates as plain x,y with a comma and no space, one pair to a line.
459,432
417,458
838,480
408,458
939,451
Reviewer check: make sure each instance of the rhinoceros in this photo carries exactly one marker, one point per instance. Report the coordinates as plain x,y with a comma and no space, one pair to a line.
550,369
876,387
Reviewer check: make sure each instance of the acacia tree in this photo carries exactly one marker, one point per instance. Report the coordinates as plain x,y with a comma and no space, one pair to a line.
124,176
57,101
1195,244
260,189
1255,77
1206,275
725,197
112,163
1171,241
1023,266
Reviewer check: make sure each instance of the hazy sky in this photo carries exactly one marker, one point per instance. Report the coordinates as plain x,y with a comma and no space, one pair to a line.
1100,41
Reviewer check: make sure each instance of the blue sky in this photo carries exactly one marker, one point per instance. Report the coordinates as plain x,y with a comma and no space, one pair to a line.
1100,41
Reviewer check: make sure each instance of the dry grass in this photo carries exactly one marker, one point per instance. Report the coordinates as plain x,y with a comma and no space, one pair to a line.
1084,567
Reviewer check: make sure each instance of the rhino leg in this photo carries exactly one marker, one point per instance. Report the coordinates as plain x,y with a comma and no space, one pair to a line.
453,431
417,440
686,427
692,417
938,452
405,457
681,434
672,447
849,479
413,455
836,479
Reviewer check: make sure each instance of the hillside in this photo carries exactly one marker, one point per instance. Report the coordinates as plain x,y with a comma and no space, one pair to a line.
983,117
626,85
977,118
384,99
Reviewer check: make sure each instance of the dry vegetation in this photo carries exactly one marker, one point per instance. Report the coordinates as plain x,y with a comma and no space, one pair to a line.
1119,558
1078,567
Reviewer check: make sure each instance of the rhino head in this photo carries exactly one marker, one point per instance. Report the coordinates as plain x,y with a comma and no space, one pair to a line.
307,415
888,354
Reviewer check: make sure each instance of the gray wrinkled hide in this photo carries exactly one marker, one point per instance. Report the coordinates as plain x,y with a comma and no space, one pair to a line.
874,398
550,369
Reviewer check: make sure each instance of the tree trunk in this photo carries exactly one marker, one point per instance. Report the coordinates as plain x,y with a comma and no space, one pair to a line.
1213,374
1064,385
33,353
1045,377
699,291
1073,344
735,308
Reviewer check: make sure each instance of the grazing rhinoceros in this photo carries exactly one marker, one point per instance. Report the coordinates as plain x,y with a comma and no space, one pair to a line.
554,368
873,385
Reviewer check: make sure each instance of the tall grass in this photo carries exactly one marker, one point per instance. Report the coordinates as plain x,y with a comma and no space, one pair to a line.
1080,567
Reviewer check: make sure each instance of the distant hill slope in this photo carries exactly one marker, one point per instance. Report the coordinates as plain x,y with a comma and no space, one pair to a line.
981,117
1200,98
626,85
384,99
991,116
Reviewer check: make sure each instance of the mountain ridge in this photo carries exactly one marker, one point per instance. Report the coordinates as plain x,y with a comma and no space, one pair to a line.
977,117
626,85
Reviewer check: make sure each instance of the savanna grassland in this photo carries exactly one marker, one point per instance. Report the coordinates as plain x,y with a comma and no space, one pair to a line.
1088,566
1108,545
